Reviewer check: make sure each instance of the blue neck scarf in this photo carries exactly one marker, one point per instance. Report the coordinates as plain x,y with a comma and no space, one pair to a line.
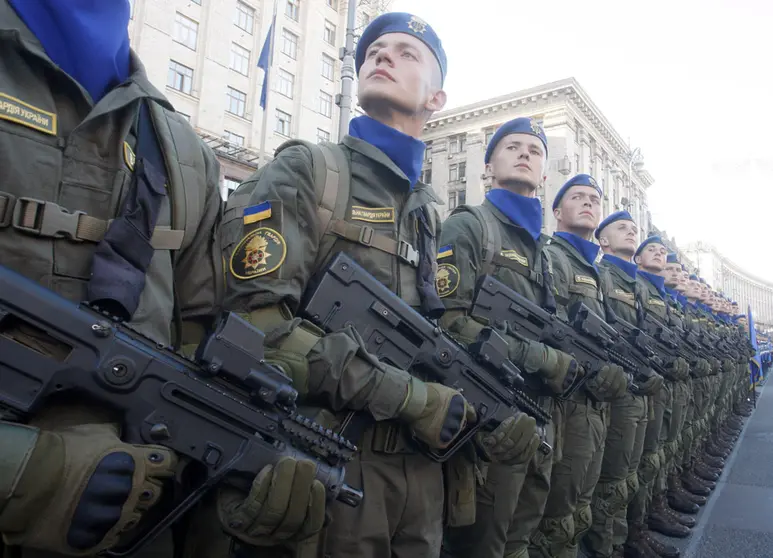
588,249
628,267
657,280
522,211
682,300
404,151
87,39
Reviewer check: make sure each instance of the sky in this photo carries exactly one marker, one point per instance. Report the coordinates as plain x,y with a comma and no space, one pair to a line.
687,81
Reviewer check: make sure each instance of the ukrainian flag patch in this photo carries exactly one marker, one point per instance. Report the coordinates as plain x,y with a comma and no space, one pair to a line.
445,251
256,213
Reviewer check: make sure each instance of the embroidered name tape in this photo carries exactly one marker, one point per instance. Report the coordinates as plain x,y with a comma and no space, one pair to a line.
515,256
16,110
373,214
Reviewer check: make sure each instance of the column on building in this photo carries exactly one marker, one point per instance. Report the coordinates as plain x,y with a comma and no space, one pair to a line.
476,168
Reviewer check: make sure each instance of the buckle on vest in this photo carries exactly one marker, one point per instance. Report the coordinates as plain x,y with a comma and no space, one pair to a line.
7,203
42,218
366,236
407,253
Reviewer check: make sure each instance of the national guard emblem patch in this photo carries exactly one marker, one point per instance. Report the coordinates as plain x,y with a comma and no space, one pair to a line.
417,25
447,279
128,156
261,252
535,127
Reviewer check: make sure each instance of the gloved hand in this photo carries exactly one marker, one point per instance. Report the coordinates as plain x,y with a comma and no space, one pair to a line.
610,383
651,385
286,504
727,365
675,369
513,442
557,369
82,488
295,366
702,368
437,414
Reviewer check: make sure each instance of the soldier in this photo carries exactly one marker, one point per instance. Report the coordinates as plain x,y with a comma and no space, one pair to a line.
650,258
568,516
619,480
502,237
282,226
107,196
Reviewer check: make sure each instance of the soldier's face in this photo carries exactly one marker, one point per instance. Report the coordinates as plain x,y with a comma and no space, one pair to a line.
401,74
580,208
693,289
672,273
653,258
705,293
518,159
619,238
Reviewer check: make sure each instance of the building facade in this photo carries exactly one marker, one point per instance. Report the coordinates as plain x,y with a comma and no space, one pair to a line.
203,55
580,140
725,276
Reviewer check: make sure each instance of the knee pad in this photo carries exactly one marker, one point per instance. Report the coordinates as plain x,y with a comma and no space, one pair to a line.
583,519
648,468
669,451
553,535
632,486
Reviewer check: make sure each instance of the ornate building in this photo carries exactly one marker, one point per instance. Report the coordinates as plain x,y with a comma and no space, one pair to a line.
725,276
580,140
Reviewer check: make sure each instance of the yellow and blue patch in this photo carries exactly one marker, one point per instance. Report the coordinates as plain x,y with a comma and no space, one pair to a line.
256,213
445,252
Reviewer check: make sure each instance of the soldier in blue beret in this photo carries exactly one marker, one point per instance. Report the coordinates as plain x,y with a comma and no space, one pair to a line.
502,236
577,278
370,176
613,527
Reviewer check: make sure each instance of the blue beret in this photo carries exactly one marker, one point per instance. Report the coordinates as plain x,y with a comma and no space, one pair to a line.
672,258
516,126
693,277
654,239
400,22
579,180
616,216
702,280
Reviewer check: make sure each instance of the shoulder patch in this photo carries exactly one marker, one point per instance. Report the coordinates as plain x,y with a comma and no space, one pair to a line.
624,294
445,252
515,256
260,252
16,110
255,213
447,279
373,214
585,279
656,302
128,156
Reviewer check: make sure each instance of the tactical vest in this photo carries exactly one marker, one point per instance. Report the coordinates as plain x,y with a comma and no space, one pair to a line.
332,185
493,258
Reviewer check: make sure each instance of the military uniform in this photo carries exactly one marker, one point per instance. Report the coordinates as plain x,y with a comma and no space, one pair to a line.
509,504
568,511
271,262
67,169
629,415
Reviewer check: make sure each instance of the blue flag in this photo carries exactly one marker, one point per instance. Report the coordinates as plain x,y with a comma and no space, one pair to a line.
264,62
754,365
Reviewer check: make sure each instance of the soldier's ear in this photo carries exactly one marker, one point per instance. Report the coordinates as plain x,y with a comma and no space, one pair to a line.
637,260
557,213
603,241
436,101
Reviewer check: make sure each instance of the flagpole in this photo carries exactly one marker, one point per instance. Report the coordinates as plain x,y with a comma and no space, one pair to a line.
267,77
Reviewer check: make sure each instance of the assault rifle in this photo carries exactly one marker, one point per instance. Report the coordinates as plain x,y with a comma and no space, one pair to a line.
228,411
347,295
669,344
586,336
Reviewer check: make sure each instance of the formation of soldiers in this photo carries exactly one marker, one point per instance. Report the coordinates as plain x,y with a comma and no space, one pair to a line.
108,196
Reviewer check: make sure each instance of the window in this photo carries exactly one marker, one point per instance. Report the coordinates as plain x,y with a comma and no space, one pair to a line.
240,59
489,135
576,163
325,104
452,200
245,17
179,77
457,144
462,197
186,31
237,101
428,151
285,83
289,44
235,139
283,123
457,171
293,9
332,4
328,67
322,135
330,33
231,184
426,176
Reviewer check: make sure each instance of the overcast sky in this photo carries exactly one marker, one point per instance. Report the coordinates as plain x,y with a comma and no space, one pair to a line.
690,82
